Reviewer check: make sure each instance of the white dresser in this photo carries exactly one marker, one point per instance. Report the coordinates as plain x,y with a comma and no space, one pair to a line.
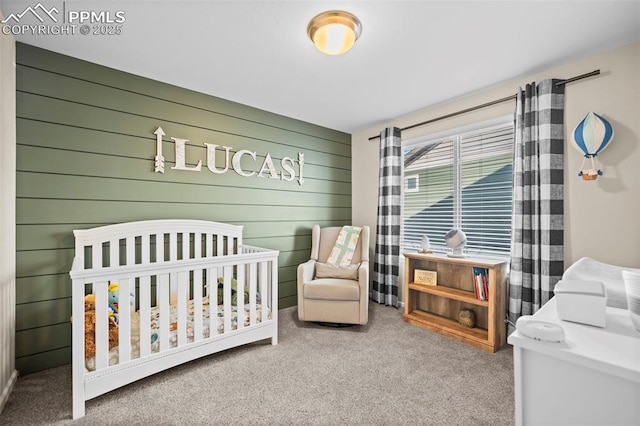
593,378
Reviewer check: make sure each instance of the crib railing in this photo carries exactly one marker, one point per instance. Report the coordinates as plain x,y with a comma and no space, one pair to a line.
153,242
173,285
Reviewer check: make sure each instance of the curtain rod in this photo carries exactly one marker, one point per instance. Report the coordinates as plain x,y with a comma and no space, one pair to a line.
497,101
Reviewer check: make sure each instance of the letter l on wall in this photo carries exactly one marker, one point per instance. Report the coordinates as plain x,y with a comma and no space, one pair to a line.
180,157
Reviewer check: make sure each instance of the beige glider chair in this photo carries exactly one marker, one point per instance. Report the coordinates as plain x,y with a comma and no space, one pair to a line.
336,296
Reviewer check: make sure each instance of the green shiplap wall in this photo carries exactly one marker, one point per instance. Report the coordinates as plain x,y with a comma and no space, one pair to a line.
85,158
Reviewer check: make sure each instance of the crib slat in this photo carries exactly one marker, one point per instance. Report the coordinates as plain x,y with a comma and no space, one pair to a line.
197,289
197,305
208,247
229,245
173,288
163,310
173,246
185,245
226,273
212,286
131,251
212,292
197,245
160,247
124,318
264,295
240,295
96,256
114,253
253,285
183,287
145,249
145,316
102,318
219,245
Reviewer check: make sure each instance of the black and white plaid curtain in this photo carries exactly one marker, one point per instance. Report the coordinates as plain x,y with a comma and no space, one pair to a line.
537,242
386,264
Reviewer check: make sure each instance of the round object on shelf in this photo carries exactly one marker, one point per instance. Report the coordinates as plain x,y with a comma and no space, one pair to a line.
467,318
456,240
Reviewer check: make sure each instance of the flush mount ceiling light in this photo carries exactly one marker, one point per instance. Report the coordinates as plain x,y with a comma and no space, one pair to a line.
334,32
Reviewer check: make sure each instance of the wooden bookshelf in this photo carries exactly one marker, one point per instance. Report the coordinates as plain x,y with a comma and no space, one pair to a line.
436,307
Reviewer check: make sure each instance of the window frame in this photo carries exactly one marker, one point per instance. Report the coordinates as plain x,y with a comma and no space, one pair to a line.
406,183
454,134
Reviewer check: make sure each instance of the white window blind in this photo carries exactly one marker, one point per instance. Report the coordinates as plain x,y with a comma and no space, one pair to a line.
466,182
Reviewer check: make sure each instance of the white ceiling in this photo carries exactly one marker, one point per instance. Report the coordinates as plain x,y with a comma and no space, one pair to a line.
411,55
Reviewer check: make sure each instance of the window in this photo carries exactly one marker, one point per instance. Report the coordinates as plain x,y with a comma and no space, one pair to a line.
411,183
466,182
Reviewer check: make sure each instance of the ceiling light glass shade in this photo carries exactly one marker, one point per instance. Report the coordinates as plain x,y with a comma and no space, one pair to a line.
334,32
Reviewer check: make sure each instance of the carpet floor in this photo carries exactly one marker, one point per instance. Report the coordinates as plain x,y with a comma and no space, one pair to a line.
385,373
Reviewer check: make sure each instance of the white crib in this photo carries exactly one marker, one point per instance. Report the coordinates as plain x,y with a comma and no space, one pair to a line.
175,296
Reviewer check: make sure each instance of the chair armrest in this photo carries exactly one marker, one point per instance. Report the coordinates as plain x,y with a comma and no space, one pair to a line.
306,271
363,282
363,276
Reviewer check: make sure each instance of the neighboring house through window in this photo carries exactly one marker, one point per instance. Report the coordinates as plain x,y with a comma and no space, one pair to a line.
461,179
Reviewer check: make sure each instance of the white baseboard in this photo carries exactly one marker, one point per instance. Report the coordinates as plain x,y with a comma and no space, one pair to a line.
4,396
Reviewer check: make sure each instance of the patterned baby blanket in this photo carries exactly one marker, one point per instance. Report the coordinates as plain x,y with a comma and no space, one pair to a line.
212,323
345,246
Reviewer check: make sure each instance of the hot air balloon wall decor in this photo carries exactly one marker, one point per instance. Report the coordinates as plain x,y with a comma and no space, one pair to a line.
592,135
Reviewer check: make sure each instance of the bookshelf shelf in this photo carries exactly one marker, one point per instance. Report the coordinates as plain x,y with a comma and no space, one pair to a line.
451,293
436,307
441,324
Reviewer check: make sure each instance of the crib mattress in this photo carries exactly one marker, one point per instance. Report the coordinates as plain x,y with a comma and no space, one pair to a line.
173,327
